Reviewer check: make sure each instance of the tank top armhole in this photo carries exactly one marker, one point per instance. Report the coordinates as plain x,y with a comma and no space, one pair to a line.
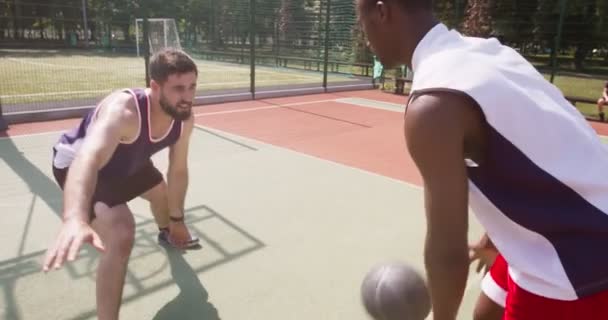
420,92
137,107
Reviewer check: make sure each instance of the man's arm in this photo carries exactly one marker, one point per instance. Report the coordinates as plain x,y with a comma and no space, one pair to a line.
605,94
435,138
177,175
102,139
97,148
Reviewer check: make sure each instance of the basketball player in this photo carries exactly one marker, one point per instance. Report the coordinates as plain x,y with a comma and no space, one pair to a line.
486,130
106,162
602,101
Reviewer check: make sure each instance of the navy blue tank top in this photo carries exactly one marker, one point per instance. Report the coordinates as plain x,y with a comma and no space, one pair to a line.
128,157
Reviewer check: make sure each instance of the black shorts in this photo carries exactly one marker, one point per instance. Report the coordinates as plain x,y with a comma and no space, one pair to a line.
116,191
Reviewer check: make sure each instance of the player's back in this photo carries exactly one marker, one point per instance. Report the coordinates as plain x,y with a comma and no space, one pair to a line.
542,193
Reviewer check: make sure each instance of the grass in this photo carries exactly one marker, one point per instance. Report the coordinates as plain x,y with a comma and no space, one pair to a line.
581,87
50,75
570,86
31,76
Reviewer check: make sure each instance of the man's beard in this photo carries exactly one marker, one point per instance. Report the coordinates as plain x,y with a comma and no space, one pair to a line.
175,112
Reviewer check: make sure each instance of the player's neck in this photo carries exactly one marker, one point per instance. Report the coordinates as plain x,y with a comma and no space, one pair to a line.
159,119
418,27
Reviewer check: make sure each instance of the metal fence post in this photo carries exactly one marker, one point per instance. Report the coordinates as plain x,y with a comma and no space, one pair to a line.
558,39
326,57
85,23
146,47
252,34
3,124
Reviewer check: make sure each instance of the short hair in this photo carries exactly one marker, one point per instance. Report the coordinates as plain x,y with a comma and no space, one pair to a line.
170,61
405,4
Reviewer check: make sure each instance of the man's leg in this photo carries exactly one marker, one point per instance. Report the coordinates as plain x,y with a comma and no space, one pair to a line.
600,108
116,227
492,299
159,204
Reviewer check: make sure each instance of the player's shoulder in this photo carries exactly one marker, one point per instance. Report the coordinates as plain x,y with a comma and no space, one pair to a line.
120,108
437,103
444,114
120,105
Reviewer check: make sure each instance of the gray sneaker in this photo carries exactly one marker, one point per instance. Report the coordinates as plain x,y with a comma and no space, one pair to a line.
163,239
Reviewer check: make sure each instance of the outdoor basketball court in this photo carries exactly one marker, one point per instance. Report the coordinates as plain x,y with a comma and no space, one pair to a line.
295,199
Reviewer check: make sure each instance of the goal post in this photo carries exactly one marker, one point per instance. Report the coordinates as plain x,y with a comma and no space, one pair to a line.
162,33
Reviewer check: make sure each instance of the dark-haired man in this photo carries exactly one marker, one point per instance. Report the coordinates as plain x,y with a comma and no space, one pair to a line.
106,162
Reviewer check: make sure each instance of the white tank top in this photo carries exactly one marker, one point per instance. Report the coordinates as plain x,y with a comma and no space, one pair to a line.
542,194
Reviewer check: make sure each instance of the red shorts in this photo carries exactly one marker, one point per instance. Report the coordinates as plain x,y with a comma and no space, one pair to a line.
523,305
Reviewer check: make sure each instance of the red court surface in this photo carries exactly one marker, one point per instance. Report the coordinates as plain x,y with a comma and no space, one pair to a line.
367,138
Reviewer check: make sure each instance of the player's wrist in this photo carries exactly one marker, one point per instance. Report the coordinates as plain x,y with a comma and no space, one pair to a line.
75,218
176,219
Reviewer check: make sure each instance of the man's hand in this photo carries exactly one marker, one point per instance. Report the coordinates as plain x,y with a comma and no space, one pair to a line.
73,233
485,252
179,234
438,127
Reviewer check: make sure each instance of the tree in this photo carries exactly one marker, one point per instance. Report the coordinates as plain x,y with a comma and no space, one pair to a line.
477,22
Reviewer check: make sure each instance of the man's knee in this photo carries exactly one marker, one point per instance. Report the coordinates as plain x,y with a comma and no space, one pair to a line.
116,227
486,309
157,194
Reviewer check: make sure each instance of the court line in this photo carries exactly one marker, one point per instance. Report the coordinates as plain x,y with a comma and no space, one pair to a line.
300,80
278,106
335,163
52,93
246,146
196,115
33,134
44,64
245,69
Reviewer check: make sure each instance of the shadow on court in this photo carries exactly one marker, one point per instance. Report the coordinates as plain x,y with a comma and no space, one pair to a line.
42,188
38,182
192,302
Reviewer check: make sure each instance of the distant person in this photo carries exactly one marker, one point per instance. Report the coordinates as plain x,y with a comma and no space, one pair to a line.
602,101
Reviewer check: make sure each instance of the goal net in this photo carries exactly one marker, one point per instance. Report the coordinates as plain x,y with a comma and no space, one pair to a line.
162,33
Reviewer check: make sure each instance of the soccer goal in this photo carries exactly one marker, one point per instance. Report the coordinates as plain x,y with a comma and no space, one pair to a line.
162,33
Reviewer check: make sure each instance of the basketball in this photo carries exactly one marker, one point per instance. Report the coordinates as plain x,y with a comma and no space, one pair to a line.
395,291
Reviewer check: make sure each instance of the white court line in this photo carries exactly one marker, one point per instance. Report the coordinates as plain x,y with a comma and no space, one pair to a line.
262,108
259,81
233,135
399,105
44,64
33,134
52,93
110,90
196,115
246,69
